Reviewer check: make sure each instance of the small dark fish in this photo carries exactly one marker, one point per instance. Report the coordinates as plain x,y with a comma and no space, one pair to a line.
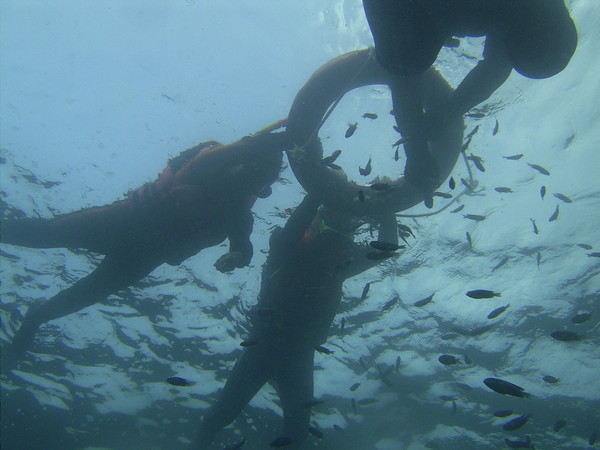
593,437
424,301
398,361
442,194
316,432
367,401
543,192
500,264
514,157
365,291
459,209
466,184
361,196
540,169
400,142
466,144
538,259
559,425
505,388
236,446
594,254
330,159
451,183
342,325
396,155
405,229
469,240
516,423
386,246
324,350
390,303
535,228
311,404
448,360
554,215
249,343
562,197
351,129
482,293
354,408
503,413
368,115
477,161
380,187
472,133
495,313
367,170
495,132
178,381
503,190
475,115
585,246
566,336
376,256
581,317
282,441
519,444
474,217
338,428
354,387
550,379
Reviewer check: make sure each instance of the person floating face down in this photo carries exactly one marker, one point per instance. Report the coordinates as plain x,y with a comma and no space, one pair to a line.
203,197
302,279
537,38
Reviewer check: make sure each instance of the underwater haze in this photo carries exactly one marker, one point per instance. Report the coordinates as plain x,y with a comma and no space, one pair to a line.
96,96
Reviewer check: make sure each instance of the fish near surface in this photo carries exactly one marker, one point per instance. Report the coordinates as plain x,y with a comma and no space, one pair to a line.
503,413
451,183
514,157
562,197
324,350
365,291
505,388
331,159
535,228
550,379
540,169
503,190
367,170
543,192
495,313
178,381
369,115
566,336
424,301
581,317
448,360
482,293
554,215
516,423
475,217
351,129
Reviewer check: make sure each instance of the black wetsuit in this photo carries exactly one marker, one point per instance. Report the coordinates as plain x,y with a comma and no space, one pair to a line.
301,291
163,222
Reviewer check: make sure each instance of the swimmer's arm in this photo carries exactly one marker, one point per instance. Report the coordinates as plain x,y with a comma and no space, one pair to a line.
479,84
240,247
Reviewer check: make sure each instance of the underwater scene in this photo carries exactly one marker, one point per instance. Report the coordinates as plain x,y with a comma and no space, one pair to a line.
334,224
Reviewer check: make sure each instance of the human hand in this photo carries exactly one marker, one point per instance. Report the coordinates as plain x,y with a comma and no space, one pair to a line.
229,261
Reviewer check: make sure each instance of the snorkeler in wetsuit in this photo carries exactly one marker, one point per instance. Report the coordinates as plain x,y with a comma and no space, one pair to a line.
309,260
537,38
203,197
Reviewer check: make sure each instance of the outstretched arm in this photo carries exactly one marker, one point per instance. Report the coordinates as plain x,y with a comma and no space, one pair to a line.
479,84
240,247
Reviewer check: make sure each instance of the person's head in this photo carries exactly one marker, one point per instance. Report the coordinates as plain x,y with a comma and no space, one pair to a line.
540,37
255,176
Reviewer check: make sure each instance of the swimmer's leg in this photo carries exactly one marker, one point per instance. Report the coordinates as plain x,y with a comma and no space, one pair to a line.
249,374
113,274
296,389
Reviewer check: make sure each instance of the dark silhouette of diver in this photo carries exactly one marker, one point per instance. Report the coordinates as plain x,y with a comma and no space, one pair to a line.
308,261
537,38
202,197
